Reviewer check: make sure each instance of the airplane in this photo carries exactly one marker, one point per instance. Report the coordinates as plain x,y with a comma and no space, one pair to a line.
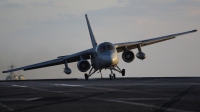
102,56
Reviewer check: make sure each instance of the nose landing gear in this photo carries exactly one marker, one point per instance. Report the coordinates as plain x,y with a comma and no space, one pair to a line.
116,68
112,75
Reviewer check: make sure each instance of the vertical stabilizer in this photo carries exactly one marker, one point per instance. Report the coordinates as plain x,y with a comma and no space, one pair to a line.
93,40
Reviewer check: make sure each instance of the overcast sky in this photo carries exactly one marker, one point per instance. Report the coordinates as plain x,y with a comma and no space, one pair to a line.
33,31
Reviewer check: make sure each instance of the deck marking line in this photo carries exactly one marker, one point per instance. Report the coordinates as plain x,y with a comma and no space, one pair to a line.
10,109
146,105
70,85
31,99
19,86
141,99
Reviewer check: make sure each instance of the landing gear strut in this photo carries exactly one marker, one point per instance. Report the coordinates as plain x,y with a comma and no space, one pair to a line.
112,75
90,73
101,74
116,68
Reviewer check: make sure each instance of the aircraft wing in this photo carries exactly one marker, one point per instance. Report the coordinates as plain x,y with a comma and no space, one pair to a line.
133,45
60,60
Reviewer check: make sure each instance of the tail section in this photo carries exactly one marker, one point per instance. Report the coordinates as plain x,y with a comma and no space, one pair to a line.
93,40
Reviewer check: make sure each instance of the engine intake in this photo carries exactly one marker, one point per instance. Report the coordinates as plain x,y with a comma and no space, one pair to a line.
128,56
83,65
141,55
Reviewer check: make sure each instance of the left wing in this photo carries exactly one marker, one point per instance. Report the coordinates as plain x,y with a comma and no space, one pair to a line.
60,60
133,45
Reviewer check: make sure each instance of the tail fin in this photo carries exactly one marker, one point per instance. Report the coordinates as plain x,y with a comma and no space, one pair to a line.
93,40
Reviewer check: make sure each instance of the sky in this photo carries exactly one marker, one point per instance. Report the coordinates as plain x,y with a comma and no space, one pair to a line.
33,31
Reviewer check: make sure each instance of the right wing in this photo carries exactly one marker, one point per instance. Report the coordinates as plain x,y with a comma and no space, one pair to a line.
133,45
60,60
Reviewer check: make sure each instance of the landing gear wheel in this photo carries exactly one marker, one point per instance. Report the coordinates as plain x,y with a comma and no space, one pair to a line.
86,76
110,77
123,72
114,76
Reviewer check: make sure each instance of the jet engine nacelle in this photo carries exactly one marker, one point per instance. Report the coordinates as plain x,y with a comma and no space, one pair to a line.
128,56
67,71
83,65
141,55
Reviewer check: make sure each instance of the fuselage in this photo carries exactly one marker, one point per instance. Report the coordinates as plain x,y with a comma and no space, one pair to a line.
105,56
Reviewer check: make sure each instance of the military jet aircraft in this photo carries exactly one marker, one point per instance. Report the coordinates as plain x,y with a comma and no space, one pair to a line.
102,56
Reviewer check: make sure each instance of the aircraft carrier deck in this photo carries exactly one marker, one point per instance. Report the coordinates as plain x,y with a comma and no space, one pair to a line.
123,94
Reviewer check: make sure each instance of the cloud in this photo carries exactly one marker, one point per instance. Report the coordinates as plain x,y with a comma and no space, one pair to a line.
194,12
20,13
76,7
163,1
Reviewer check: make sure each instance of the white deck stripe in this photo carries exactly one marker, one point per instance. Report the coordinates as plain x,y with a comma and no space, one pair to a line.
10,109
70,85
146,105
31,99
19,86
140,99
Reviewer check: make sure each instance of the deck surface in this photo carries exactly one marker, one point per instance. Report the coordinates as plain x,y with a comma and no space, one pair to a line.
128,94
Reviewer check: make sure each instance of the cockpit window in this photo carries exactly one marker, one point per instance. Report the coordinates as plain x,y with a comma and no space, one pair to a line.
102,48
110,47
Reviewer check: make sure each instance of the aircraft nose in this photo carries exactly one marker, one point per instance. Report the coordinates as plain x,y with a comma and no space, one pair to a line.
106,60
109,59
114,59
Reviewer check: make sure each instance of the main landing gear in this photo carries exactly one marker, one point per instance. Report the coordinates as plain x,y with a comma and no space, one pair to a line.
112,75
123,72
90,73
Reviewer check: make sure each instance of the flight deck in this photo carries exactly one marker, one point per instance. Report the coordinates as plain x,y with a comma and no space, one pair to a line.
175,94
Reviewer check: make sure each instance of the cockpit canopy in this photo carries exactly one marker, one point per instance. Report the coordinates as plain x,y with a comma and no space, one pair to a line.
104,47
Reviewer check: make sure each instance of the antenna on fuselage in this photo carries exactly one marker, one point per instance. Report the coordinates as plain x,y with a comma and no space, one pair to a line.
93,40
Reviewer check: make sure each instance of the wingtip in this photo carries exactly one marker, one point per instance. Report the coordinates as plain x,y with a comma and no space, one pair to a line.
85,14
3,71
195,30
